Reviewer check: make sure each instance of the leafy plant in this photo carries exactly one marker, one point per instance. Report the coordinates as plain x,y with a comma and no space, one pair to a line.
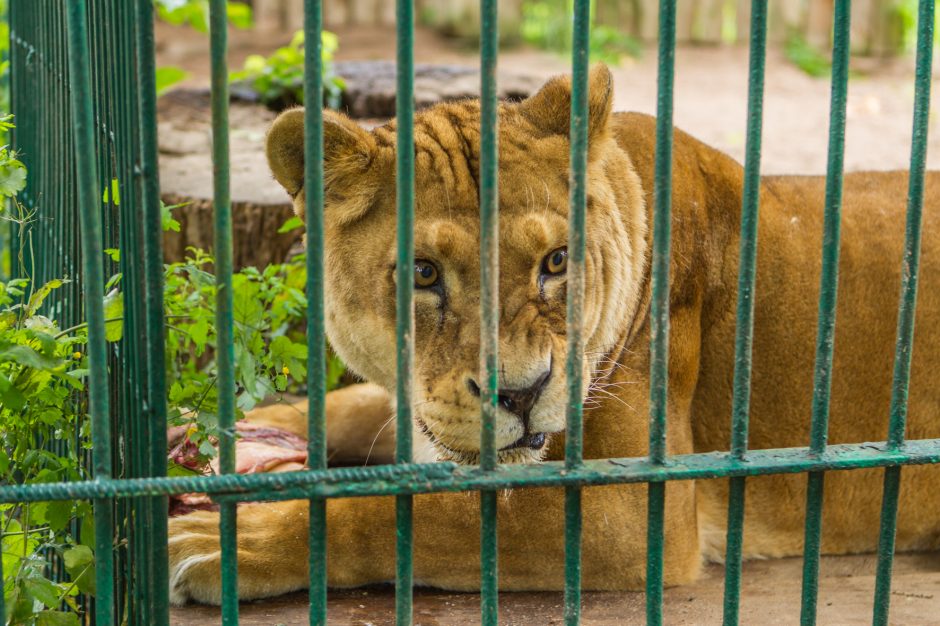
807,58
4,60
270,348
195,13
12,170
44,427
42,369
902,14
168,76
547,24
278,80
270,351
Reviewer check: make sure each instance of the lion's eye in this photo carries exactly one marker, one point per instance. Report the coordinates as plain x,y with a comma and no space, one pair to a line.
425,275
556,262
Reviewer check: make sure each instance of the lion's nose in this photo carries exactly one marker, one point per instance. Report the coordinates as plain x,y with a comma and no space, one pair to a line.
519,402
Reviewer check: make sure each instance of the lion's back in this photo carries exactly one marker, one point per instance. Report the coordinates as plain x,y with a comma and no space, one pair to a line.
790,245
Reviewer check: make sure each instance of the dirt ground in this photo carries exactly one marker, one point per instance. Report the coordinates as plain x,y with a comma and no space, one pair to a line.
710,102
770,596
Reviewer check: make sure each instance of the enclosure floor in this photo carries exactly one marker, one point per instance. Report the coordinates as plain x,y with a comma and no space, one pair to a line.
771,595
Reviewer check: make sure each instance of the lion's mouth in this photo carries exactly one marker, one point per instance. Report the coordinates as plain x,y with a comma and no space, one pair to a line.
535,441
529,444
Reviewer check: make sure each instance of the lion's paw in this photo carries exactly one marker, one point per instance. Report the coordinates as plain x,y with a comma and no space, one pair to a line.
195,559
272,553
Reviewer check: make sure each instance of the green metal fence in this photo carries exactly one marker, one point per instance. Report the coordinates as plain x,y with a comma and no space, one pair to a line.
84,127
83,92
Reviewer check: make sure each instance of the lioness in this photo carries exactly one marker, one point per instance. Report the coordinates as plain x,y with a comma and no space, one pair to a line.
533,196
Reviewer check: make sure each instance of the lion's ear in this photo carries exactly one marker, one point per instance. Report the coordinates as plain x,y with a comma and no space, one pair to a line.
550,108
348,153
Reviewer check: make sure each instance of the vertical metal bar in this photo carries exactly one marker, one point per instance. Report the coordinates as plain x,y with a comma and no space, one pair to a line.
659,339
316,339
579,130
829,279
489,304
404,186
745,324
225,352
129,371
915,205
92,276
3,608
735,534
908,302
662,190
6,230
889,519
155,394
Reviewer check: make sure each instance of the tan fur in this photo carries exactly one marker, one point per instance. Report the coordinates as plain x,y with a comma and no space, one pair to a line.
533,144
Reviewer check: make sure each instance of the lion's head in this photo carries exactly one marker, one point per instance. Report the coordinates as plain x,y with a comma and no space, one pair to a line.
359,171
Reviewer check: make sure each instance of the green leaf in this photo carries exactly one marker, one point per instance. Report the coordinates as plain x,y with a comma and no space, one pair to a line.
115,193
207,449
176,470
38,513
239,15
330,41
169,76
57,618
199,332
24,355
166,216
87,530
43,590
12,177
41,294
59,514
114,310
80,564
77,557
10,397
292,224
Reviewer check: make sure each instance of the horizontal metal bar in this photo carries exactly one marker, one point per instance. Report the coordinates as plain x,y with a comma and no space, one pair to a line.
410,478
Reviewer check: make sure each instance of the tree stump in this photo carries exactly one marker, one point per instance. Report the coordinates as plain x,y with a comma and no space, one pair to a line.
259,205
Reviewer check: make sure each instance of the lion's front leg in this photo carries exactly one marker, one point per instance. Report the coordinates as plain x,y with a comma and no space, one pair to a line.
361,539
360,423
272,552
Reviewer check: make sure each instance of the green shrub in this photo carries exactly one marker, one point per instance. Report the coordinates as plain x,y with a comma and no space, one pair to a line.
195,13
278,80
547,24
270,343
807,58
44,426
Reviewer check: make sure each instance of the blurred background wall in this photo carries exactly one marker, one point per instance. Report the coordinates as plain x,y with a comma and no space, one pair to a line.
879,27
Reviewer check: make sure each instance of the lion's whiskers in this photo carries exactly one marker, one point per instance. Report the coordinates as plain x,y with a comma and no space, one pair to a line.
376,438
